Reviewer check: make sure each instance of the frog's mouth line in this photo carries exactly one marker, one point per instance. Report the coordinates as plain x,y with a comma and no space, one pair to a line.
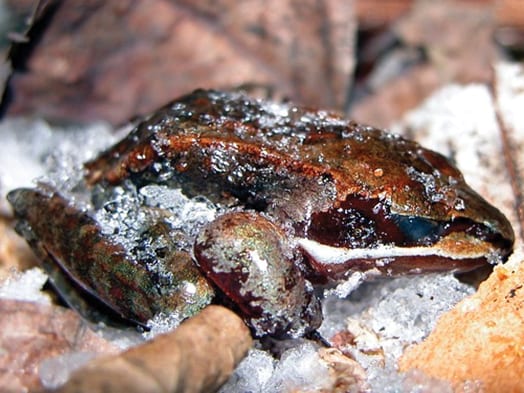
455,247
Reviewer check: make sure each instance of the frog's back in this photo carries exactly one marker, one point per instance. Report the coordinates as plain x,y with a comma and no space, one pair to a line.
244,144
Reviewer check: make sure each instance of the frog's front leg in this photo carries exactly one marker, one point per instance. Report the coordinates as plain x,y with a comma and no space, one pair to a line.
251,260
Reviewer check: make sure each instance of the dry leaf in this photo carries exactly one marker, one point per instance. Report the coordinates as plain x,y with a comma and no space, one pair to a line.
373,13
463,53
32,332
480,340
348,375
392,101
509,13
28,11
114,60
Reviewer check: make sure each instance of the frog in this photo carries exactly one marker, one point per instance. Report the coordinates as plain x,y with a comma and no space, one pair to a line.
304,199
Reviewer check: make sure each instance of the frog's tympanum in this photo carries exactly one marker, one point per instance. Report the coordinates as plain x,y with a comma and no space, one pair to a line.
301,197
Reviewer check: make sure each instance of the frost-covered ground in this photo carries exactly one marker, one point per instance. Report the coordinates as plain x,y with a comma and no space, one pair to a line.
384,318
381,317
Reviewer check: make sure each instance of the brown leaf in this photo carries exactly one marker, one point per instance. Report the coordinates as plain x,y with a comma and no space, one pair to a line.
463,53
479,340
509,13
29,12
398,96
372,13
32,332
114,60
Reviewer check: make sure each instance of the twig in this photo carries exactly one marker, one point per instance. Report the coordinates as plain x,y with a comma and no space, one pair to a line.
199,356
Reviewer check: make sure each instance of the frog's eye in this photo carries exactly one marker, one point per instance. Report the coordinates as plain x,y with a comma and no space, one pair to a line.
419,229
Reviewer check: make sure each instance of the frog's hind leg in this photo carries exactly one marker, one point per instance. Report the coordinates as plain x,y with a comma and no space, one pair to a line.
70,243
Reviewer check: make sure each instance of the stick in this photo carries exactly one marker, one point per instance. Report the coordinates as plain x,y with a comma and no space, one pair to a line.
199,356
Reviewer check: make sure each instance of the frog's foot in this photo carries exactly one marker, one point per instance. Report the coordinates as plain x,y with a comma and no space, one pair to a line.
250,259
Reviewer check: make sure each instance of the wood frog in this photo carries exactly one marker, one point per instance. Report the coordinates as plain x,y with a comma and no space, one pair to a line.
303,197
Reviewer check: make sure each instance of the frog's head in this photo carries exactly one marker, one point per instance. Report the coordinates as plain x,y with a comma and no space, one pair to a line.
420,216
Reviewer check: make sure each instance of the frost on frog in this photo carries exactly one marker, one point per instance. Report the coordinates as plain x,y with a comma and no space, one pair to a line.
258,200
125,252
